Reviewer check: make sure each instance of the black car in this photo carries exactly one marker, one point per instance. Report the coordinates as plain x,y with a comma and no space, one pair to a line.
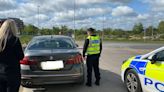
52,59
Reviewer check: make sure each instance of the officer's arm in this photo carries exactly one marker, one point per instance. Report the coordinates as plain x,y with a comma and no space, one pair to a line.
85,47
100,46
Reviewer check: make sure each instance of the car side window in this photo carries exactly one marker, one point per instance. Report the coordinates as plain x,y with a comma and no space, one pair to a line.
160,56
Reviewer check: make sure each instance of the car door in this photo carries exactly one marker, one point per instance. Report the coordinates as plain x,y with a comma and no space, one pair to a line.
154,74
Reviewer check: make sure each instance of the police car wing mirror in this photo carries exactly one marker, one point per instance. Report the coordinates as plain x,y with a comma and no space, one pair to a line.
154,59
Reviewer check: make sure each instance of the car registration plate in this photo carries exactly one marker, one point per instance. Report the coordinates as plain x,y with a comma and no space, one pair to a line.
52,65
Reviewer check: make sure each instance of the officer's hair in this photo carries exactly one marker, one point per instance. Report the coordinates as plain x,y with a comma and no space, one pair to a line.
92,30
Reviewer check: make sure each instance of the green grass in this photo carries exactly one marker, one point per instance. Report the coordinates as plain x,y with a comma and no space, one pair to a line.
135,41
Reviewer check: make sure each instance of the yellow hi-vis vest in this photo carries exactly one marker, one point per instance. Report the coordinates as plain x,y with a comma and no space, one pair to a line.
94,45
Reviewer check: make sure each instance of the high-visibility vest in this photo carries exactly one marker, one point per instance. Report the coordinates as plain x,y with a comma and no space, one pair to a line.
94,45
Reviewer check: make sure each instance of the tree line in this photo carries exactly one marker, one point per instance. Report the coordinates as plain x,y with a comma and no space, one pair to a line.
137,33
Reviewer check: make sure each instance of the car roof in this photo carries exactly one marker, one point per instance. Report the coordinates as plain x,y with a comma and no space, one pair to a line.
51,36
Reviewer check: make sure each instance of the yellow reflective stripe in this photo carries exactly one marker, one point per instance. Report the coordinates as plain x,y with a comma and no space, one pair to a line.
91,53
93,48
127,63
93,37
95,45
155,71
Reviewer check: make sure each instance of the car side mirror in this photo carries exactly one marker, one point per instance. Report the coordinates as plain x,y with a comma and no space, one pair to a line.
77,45
154,59
23,48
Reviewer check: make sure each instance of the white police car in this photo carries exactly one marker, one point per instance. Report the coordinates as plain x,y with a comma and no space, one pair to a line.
144,73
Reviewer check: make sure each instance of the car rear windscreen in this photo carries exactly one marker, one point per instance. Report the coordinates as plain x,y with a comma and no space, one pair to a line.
51,44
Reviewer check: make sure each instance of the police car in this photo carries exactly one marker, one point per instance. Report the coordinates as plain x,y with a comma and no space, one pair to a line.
144,73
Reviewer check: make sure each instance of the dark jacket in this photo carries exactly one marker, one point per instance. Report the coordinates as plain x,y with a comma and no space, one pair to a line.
86,46
10,57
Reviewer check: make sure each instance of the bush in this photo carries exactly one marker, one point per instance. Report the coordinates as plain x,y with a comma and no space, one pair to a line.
25,38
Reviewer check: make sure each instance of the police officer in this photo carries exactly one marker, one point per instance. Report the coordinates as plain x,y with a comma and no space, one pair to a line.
92,47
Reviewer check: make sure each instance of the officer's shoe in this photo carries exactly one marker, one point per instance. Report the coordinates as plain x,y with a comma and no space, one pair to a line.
88,84
97,83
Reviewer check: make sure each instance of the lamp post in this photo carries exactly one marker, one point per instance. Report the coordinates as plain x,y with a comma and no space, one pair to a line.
74,19
38,20
103,21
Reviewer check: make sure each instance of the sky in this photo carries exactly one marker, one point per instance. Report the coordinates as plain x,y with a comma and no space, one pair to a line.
87,13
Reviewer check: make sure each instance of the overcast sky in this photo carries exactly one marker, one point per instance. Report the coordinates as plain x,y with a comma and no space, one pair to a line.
88,13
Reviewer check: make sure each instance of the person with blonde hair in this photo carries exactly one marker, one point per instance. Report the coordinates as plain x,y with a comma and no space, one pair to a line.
10,54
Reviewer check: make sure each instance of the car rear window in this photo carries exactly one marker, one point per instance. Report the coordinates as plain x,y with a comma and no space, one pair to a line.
51,44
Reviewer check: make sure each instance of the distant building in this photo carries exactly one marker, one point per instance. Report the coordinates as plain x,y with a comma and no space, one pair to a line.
18,21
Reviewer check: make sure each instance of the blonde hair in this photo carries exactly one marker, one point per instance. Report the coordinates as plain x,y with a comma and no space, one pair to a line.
7,28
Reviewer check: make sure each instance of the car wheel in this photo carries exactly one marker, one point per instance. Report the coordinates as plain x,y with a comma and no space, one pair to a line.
132,81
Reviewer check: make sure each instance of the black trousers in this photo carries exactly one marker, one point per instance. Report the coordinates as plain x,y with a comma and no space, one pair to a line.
93,64
9,85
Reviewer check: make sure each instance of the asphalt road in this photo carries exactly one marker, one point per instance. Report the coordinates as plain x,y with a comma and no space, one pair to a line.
110,63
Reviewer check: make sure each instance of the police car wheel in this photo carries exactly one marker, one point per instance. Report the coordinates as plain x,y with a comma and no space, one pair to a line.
132,81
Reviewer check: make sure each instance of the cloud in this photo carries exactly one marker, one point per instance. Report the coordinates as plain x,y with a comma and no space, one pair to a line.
123,11
157,5
103,1
81,14
88,13
143,16
7,4
43,20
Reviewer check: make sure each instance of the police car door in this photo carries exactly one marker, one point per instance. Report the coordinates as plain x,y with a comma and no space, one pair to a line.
154,75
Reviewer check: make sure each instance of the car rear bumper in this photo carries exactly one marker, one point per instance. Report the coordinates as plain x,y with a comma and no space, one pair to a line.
29,80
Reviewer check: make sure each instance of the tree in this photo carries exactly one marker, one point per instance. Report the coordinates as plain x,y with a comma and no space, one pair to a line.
64,29
149,31
138,28
107,31
55,30
46,31
161,27
30,30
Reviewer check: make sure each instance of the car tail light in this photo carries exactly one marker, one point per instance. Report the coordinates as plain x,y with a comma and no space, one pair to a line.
75,60
26,61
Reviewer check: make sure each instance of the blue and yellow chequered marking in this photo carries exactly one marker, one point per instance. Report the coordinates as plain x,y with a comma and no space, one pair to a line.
155,71
138,57
151,75
139,66
136,65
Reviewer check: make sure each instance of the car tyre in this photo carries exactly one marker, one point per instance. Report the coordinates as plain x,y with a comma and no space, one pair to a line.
132,81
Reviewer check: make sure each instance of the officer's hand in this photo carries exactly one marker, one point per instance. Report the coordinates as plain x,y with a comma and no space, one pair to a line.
84,57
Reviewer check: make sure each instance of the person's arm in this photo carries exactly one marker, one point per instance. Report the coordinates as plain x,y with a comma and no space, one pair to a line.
100,46
18,50
85,46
